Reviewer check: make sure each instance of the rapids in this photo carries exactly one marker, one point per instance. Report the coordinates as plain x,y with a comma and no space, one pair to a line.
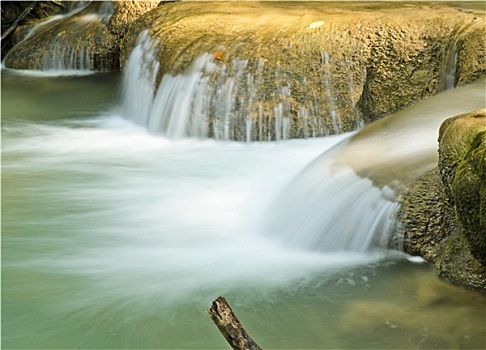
113,237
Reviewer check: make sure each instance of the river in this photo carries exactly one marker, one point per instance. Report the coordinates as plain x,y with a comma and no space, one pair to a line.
113,237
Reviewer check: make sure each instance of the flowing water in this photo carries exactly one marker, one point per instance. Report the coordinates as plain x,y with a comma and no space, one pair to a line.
61,53
113,237
224,101
363,176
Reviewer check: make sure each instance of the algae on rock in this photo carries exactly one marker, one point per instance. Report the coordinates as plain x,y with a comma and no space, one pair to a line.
443,216
468,186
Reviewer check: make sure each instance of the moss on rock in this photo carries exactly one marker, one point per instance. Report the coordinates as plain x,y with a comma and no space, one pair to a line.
469,193
443,215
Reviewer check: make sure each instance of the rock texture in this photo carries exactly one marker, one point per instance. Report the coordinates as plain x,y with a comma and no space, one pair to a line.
443,215
328,67
89,39
462,160
126,12
19,13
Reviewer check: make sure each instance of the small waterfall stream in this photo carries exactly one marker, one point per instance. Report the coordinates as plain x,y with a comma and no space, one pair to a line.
354,181
218,99
346,199
63,53
123,219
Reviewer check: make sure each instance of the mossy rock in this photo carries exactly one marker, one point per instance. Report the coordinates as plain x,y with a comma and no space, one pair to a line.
456,136
462,154
443,215
469,191
456,262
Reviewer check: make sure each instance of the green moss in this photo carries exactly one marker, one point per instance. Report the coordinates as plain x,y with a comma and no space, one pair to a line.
469,191
451,233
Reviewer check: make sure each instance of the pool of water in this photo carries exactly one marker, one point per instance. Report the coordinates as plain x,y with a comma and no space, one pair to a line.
116,238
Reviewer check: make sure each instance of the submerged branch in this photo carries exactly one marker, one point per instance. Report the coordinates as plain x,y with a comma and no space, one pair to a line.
229,325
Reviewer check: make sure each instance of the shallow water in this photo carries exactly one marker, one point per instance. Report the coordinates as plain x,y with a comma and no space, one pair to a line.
116,238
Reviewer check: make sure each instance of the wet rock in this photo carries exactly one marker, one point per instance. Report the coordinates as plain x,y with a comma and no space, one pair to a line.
343,64
462,155
89,39
443,215
12,10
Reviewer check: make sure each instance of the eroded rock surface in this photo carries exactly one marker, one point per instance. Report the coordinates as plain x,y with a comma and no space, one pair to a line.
327,67
443,215
88,39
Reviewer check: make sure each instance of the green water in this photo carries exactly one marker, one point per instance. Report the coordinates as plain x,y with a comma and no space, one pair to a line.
113,238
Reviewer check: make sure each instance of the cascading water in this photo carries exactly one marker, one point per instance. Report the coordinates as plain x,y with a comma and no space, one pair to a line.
220,99
346,199
449,66
201,103
116,238
198,103
62,54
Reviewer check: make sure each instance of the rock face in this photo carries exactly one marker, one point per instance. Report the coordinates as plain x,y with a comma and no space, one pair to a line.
443,215
126,12
323,68
17,13
86,39
462,160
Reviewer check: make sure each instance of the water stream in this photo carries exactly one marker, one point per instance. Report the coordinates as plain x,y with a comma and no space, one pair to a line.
61,54
363,177
213,99
113,237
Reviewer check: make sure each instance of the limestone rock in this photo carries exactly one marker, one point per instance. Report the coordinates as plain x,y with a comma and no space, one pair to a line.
443,215
361,62
89,39
463,154
126,12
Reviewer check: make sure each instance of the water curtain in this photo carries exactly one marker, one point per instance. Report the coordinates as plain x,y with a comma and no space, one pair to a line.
65,41
211,99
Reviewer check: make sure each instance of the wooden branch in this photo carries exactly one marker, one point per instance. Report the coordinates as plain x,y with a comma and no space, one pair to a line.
59,4
231,328
24,14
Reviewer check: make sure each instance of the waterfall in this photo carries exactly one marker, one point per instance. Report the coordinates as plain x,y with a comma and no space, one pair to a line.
228,99
63,51
450,56
211,99
347,198
248,99
66,56
331,208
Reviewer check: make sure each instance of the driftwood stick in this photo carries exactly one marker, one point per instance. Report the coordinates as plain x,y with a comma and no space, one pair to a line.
24,14
231,328
59,4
